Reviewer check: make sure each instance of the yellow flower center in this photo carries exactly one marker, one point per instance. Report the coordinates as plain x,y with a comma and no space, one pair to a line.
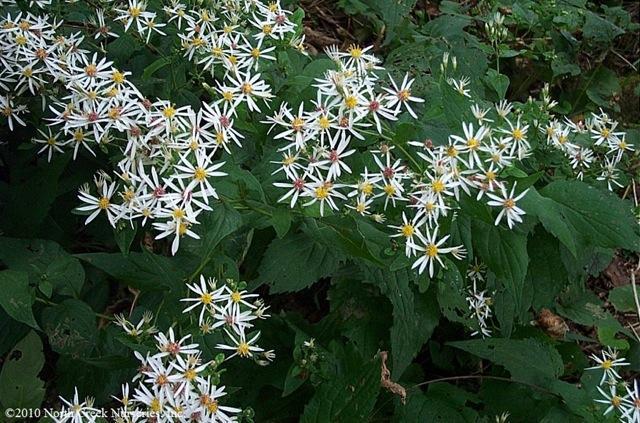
607,364
206,298
200,174
243,349
247,88
169,112
134,12
366,188
103,203
509,203
437,186
517,134
190,374
178,214
407,230
297,123
197,42
355,51
616,401
212,406
117,77
155,405
267,29
322,193
78,135
431,250
473,143
404,95
255,53
236,297
389,189
324,122
351,102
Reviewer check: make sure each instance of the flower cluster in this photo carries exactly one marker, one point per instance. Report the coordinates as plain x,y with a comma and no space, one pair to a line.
318,142
231,308
479,301
174,382
627,404
594,147
170,155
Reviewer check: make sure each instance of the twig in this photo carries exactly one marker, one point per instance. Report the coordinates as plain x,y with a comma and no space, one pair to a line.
387,383
503,379
624,59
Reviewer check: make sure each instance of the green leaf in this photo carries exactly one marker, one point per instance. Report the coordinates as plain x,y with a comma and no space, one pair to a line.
44,260
281,221
602,84
20,386
594,217
216,225
29,197
415,316
547,274
71,327
622,298
456,106
155,66
451,295
66,275
550,215
497,81
421,408
17,296
139,270
349,396
295,262
124,235
505,253
599,29
528,360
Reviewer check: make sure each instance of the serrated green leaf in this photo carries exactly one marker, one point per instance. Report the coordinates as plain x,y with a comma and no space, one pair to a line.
415,316
590,215
139,270
347,397
505,253
295,262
